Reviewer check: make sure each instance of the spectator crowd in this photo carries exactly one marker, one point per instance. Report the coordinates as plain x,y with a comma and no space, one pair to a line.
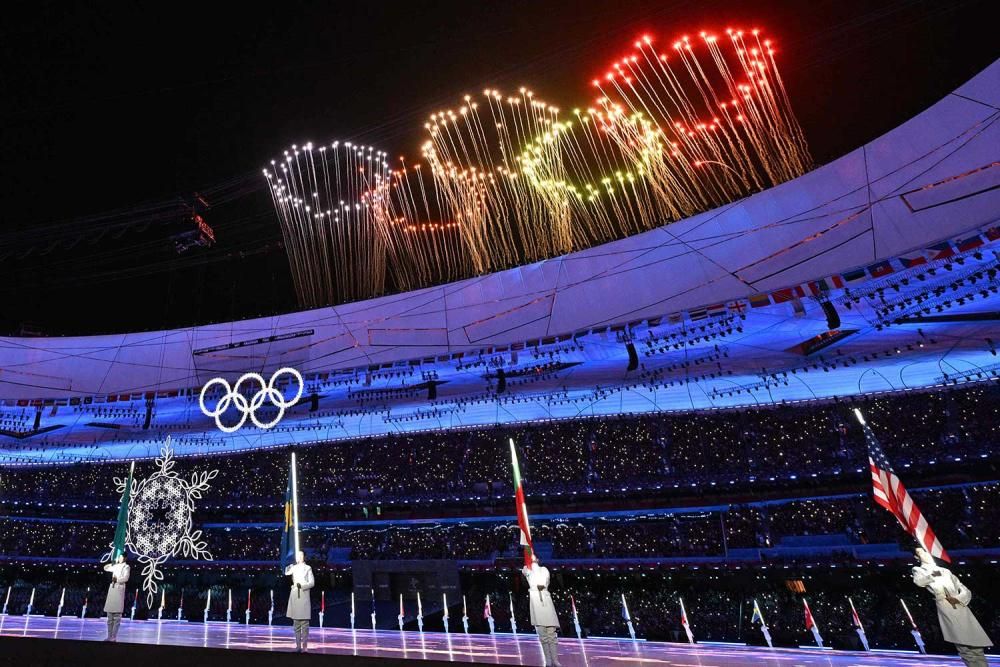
964,516
795,446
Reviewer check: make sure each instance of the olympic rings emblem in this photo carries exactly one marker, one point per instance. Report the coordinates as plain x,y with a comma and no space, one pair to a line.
249,408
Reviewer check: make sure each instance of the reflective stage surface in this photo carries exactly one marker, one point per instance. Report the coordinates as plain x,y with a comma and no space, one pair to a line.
456,647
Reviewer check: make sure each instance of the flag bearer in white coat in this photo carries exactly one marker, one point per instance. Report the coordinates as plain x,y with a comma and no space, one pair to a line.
114,605
543,612
299,604
958,625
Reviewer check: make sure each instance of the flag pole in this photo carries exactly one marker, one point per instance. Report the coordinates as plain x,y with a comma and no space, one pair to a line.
860,629
628,618
295,504
576,618
513,616
915,631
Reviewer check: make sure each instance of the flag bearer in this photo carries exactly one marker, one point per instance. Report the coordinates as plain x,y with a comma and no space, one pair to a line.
114,605
958,625
543,612
299,604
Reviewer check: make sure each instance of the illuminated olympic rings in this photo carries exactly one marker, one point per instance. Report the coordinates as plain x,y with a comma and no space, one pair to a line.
248,408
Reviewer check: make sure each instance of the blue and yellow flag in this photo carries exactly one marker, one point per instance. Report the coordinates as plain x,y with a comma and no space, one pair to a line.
288,531
757,616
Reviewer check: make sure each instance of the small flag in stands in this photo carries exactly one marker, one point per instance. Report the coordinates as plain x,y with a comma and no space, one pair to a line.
685,624
488,614
811,624
758,617
856,621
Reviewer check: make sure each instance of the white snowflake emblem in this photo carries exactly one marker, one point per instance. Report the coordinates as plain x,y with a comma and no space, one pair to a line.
160,514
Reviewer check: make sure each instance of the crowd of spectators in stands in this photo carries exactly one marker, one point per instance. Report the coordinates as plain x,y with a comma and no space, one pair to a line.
791,445
725,453
966,516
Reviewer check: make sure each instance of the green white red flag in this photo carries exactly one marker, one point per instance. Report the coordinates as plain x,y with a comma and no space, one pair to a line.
522,509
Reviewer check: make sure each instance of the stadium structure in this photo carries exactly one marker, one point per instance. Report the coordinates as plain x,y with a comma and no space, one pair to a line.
625,373
830,285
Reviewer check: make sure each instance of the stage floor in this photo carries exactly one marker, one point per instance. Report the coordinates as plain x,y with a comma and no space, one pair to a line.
457,647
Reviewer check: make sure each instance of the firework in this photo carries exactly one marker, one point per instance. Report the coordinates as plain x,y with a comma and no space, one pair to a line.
506,179
424,245
474,157
320,195
720,108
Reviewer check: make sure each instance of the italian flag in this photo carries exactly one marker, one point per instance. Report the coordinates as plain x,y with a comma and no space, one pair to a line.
522,509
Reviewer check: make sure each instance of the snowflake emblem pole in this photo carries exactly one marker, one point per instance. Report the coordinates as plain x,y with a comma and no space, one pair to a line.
160,519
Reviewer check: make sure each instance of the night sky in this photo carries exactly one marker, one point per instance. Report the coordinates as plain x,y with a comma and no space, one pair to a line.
132,108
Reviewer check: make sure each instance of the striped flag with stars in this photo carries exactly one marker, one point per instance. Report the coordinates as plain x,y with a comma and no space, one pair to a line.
890,493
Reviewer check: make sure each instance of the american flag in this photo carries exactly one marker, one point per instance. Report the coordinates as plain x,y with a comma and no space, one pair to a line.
890,493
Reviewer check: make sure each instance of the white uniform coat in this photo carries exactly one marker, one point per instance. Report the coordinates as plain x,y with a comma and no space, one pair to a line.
543,612
299,603
115,602
958,624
